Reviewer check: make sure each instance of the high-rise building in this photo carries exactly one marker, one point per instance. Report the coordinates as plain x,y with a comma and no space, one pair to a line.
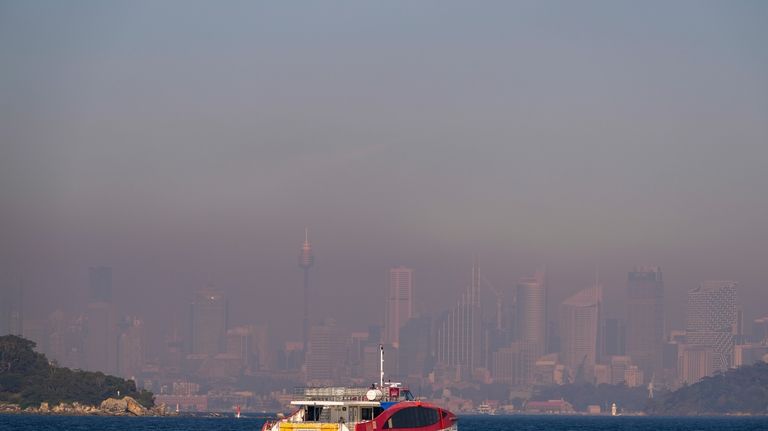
695,363
645,318
579,329
399,306
131,348
614,337
759,330
710,320
414,352
325,355
531,321
100,284
459,332
101,338
306,260
209,316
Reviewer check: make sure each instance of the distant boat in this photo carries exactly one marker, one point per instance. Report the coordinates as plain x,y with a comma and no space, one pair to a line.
237,413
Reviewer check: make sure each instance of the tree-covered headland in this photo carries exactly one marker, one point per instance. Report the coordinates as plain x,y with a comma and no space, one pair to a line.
28,378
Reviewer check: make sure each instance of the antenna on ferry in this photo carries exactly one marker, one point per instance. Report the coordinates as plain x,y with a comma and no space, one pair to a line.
381,365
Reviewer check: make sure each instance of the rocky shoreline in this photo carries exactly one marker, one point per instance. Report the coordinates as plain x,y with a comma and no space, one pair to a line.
125,406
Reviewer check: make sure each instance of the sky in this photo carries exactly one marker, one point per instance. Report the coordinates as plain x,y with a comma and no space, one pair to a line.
189,143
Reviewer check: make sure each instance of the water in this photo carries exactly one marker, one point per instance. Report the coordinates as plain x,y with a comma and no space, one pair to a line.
466,423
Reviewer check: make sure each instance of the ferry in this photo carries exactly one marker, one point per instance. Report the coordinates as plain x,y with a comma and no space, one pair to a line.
386,406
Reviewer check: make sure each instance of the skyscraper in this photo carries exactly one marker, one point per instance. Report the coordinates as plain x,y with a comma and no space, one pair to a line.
399,303
306,260
459,331
645,318
100,284
325,355
530,323
208,320
711,319
101,337
614,337
531,310
579,324
100,341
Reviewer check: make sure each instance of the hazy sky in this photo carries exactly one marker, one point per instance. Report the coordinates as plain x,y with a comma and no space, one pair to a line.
190,142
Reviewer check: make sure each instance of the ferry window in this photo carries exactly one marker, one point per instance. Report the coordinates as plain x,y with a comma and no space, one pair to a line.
366,413
409,396
313,413
412,417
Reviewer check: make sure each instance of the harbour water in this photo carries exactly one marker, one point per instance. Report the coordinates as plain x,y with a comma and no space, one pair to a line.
466,423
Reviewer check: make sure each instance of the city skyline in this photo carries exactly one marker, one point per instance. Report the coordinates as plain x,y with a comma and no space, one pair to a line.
155,154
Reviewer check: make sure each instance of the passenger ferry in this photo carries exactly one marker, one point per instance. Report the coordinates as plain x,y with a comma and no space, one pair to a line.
388,406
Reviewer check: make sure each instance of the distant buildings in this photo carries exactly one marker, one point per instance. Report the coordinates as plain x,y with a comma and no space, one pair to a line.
459,333
399,307
711,320
645,317
325,355
131,348
614,333
101,338
209,315
531,322
579,330
415,350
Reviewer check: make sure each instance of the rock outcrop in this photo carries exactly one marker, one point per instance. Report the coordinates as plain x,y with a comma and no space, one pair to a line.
122,406
126,406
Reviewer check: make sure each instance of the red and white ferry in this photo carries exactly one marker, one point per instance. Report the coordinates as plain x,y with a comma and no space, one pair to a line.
388,406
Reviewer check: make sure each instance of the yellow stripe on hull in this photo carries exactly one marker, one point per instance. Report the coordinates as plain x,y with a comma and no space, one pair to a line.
308,426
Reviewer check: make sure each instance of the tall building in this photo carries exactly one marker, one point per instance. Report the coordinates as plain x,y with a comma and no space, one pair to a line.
399,306
131,348
325,356
710,320
101,338
614,337
579,330
531,314
695,363
100,284
209,316
759,330
306,260
645,318
414,353
459,332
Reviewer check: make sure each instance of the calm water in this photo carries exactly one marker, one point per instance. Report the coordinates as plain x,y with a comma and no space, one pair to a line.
467,423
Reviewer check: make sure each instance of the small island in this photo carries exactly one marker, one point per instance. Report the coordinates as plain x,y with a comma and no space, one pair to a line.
30,383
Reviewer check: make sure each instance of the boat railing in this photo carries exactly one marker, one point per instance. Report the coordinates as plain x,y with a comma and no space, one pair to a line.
334,393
